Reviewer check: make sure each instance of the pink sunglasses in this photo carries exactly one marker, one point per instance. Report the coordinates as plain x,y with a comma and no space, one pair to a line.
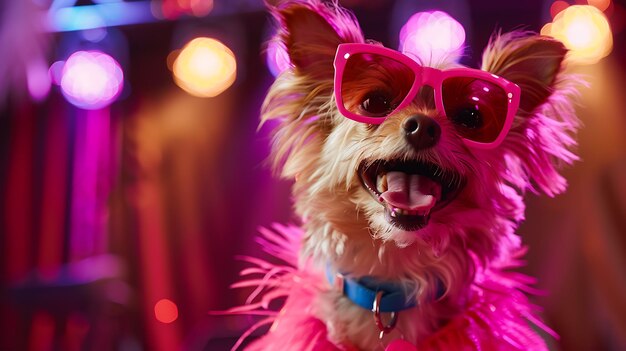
371,82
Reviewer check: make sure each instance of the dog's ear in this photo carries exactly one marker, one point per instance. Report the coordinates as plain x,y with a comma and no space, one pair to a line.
310,30
542,135
308,37
530,61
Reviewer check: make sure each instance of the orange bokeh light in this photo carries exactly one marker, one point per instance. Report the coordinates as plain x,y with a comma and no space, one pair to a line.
601,5
584,30
205,67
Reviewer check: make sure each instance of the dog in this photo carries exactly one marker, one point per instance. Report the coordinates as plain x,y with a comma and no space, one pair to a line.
410,174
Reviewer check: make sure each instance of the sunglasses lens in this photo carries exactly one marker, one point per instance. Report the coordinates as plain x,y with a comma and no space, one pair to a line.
374,85
477,107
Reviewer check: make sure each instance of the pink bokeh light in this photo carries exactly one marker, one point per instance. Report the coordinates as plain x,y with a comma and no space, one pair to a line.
37,79
431,36
277,58
91,79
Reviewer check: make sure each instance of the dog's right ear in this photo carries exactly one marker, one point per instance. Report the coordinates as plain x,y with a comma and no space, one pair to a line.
311,32
299,98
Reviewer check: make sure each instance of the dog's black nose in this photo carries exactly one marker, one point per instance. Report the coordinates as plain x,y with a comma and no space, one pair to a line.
422,132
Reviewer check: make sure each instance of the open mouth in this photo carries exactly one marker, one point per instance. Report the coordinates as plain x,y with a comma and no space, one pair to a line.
409,190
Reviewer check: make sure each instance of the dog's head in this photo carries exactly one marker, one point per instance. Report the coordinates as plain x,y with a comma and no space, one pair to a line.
385,148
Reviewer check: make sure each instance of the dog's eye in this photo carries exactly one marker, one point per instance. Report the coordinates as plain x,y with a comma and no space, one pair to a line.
376,104
468,117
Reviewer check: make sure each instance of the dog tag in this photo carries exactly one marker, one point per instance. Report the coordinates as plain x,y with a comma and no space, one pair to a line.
400,345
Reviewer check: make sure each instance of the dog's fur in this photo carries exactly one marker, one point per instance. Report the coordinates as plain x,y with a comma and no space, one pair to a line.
466,244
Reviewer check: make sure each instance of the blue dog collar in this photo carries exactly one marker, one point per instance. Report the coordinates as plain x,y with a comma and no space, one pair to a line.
396,297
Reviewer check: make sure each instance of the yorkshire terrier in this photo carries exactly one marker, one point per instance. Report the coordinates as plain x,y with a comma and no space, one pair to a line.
409,176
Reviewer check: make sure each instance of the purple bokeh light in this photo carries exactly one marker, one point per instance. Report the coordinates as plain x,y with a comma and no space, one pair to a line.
277,58
91,79
431,36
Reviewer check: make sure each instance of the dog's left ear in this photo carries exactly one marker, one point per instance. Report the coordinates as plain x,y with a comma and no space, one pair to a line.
530,61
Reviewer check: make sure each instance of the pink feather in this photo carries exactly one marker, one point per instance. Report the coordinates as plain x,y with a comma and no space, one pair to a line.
497,316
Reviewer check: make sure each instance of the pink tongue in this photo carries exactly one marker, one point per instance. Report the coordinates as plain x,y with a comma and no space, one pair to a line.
411,192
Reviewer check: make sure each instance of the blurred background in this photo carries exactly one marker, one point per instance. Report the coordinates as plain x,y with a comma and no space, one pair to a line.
132,172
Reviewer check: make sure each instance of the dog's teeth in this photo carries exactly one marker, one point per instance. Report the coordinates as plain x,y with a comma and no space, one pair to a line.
395,212
381,183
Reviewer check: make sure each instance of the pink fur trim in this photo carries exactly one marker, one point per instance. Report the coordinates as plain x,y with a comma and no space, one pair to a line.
497,316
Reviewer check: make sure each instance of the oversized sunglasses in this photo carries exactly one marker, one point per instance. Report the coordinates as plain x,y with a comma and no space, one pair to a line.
371,82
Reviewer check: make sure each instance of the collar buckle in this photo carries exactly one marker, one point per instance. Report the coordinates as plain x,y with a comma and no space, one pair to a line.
384,328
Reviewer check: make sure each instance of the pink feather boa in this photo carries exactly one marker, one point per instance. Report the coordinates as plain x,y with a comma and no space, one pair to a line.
498,315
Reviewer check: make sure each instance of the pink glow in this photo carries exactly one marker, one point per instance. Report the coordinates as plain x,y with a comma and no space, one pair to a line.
431,35
175,8
89,187
38,80
277,58
91,79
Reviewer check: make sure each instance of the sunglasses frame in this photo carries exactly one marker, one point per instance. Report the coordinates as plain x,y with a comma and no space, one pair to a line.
424,76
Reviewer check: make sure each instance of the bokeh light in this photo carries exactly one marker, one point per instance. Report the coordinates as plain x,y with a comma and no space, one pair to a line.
277,57
205,67
91,79
431,35
165,311
584,30
38,80
557,7
175,8
601,5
